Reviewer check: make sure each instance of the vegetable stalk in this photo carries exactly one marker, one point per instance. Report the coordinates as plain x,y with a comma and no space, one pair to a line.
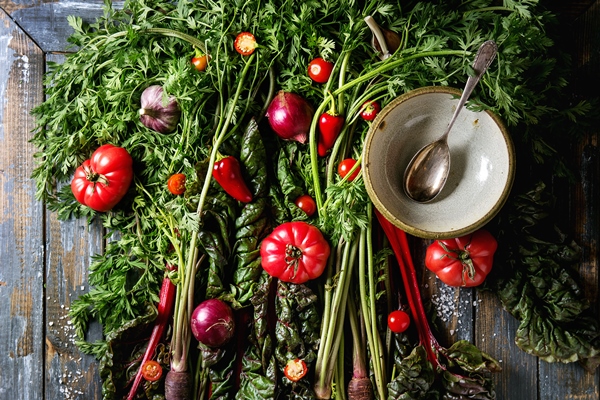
360,386
165,309
332,326
399,243
368,308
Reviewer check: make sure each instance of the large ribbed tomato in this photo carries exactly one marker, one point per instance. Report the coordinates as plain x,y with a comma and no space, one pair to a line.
463,261
295,252
102,181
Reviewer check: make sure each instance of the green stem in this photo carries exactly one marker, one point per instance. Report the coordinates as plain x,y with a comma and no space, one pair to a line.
392,63
181,332
328,296
340,370
367,300
325,365
314,156
179,35
376,348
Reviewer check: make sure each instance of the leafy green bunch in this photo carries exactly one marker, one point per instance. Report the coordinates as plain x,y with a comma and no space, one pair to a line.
93,98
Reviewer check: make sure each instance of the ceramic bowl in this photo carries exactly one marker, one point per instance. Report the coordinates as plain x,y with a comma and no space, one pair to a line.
482,163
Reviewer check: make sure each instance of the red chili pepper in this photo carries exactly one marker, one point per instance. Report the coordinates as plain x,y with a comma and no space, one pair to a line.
369,110
330,126
295,370
165,309
228,174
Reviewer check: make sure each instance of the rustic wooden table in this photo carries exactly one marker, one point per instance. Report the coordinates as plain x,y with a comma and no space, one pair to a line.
44,262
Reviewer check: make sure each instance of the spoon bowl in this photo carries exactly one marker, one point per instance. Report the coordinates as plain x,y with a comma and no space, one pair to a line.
483,163
426,173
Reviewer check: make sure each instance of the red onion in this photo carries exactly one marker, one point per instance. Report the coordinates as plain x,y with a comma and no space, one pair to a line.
157,115
212,323
290,116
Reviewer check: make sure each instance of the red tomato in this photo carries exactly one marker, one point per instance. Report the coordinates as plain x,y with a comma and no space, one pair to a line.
294,252
319,70
345,166
463,261
151,371
295,370
398,321
200,62
370,109
102,181
176,184
306,204
245,43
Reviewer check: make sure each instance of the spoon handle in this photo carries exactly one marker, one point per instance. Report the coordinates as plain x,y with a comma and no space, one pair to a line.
484,57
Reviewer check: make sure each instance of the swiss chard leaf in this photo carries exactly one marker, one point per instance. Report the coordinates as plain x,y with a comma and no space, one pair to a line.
537,283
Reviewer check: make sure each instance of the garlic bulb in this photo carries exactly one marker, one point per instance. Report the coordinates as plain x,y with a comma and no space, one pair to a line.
156,115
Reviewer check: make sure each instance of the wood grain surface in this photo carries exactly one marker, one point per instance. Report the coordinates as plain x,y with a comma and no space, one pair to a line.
44,262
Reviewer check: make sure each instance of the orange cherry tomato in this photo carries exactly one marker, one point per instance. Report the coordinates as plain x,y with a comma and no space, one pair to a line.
345,166
245,43
151,371
306,204
200,62
176,184
295,370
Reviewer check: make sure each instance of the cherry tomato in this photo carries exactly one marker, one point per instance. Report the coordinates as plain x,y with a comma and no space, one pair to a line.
306,204
176,184
319,70
370,109
151,371
295,370
200,62
345,166
245,43
398,321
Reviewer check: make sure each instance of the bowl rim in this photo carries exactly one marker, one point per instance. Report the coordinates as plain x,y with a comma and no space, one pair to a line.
419,232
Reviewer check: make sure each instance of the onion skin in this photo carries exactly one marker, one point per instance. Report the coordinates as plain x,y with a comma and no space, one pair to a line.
156,115
290,116
213,323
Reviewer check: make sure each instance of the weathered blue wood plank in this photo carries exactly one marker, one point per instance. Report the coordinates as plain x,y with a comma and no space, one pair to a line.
46,21
21,219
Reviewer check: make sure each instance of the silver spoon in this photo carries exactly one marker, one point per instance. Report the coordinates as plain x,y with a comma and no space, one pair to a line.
427,171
